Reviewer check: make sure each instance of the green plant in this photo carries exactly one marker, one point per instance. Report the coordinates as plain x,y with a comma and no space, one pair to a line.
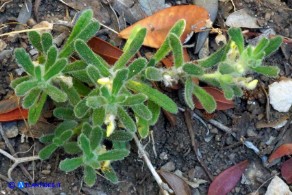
99,103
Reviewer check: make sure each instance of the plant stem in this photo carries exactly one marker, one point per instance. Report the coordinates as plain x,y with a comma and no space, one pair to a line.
164,187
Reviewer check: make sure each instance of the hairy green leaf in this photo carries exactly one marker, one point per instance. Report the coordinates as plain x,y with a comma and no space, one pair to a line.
143,127
81,88
81,109
86,129
47,41
110,175
84,144
93,73
274,44
81,75
31,98
64,126
228,91
132,46
225,68
236,36
126,120
35,39
134,99
115,154
23,59
51,57
193,69
47,151
188,93
271,71
74,66
19,80
98,116
118,81
154,95
237,91
38,73
205,98
136,67
71,92
70,164
65,136
95,137
25,87
89,176
36,109
55,93
176,48
71,148
64,113
91,58
262,44
142,111
47,138
153,74
155,110
55,68
96,101
121,136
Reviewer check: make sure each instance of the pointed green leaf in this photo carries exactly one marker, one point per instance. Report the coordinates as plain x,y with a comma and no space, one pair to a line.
88,32
176,48
205,98
274,44
89,176
23,59
25,87
84,144
70,164
153,74
19,80
126,120
55,69
51,57
31,98
136,67
47,41
96,101
228,91
142,111
143,127
110,175
95,137
121,136
71,92
47,151
35,39
271,71
71,148
134,99
177,29
93,73
64,126
55,93
115,154
118,81
64,113
74,66
132,46
36,109
38,73
91,58
45,139
65,136
154,95
188,93
81,109
98,116
215,57
260,47
193,69
236,36
155,110
81,75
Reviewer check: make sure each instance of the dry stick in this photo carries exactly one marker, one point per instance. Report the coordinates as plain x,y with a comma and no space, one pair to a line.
164,187
188,120
12,151
267,103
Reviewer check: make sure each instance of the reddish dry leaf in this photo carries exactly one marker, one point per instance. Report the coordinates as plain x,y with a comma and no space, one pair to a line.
177,184
159,24
16,114
286,171
285,149
222,102
107,51
227,180
9,105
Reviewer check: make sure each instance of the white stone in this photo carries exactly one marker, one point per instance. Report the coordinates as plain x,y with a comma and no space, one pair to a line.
280,95
278,186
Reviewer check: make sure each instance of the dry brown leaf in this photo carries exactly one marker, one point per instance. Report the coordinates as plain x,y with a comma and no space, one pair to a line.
159,24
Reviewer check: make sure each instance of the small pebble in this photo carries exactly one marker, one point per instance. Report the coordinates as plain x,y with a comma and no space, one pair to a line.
10,129
170,166
163,156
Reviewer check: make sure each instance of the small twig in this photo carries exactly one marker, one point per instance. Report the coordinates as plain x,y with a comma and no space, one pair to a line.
26,30
188,120
153,144
267,103
164,187
5,3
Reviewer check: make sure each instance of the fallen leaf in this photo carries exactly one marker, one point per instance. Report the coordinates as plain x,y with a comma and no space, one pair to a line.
283,150
178,185
241,18
278,186
227,180
159,24
286,171
107,51
8,105
17,114
222,102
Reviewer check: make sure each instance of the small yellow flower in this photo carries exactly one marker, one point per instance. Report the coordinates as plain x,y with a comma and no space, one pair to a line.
106,81
111,125
251,85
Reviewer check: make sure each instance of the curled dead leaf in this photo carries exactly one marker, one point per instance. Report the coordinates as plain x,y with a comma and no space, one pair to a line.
159,24
283,150
227,180
16,114
222,102
286,171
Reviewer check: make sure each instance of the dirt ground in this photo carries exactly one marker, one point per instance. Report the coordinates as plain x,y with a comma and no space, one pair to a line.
219,150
